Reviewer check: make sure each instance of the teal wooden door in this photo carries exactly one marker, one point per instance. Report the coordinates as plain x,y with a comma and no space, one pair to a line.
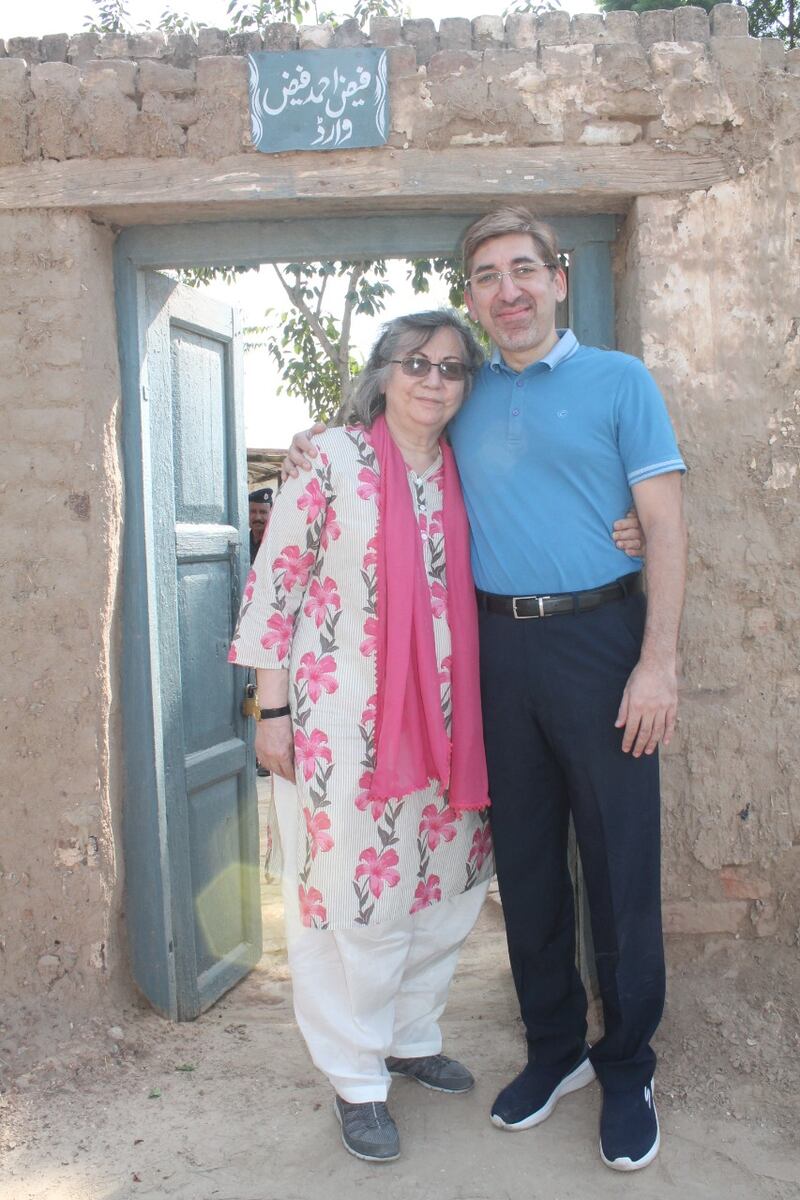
190,811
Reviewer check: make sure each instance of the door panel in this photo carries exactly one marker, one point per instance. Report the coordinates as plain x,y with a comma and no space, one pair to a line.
209,689
199,398
199,805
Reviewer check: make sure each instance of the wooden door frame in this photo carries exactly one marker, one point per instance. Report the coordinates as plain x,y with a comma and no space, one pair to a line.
249,243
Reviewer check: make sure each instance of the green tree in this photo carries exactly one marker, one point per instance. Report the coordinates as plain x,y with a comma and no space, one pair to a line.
110,16
536,7
775,18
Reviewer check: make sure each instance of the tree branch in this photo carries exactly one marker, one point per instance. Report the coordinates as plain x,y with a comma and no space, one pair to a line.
313,321
347,316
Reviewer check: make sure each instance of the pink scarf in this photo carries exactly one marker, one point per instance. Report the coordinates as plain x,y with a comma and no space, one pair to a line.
412,746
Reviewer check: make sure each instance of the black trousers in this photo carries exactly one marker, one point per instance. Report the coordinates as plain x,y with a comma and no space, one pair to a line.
551,690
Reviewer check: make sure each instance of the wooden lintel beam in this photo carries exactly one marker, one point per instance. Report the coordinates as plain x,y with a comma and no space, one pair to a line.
577,179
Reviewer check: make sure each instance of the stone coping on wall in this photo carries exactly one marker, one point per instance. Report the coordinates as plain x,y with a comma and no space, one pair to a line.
520,31
677,80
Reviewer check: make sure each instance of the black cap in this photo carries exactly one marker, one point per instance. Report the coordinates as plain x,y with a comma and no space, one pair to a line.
261,496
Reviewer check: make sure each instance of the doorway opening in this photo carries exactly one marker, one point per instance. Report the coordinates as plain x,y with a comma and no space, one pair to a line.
191,830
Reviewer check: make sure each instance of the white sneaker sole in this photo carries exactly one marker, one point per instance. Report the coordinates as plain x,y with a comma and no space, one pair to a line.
357,1153
629,1164
577,1079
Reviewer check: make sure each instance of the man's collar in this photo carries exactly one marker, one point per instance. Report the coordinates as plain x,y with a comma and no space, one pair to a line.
564,348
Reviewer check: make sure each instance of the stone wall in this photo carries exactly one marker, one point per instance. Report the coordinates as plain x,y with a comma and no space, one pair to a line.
60,496
676,80
708,286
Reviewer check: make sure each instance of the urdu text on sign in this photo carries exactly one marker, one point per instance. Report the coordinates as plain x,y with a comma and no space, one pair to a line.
319,99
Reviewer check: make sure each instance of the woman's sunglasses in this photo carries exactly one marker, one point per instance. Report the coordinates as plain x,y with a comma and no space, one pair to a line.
418,367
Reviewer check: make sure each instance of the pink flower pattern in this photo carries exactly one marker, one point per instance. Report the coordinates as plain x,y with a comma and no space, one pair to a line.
330,530
317,826
438,599
370,642
379,869
481,847
428,892
377,806
296,567
279,634
311,906
311,606
319,675
370,484
438,824
321,598
311,750
313,501
371,556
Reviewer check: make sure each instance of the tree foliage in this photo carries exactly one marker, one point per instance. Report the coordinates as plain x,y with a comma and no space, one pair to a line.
311,343
536,7
775,18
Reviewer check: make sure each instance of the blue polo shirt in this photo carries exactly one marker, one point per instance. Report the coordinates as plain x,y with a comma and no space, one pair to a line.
547,458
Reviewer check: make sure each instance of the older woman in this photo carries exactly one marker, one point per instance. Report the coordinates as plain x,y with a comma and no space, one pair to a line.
360,618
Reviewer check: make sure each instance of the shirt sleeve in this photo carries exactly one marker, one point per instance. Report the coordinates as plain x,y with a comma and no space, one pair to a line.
278,580
645,436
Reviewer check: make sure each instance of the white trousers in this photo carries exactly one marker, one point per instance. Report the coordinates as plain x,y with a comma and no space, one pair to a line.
365,993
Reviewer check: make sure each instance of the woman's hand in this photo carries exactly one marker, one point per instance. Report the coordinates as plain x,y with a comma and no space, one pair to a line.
629,536
301,451
275,746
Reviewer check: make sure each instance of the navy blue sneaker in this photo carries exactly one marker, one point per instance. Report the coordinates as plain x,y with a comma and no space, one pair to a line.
531,1097
629,1133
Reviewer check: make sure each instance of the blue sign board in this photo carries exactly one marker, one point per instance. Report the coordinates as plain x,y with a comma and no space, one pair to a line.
319,99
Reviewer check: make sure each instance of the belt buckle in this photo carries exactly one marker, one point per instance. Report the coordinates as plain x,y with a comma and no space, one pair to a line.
528,616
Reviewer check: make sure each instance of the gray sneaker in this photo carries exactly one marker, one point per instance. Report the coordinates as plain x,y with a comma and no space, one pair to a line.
368,1130
435,1071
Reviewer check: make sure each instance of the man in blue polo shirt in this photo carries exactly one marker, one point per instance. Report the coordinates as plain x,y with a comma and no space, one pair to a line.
578,672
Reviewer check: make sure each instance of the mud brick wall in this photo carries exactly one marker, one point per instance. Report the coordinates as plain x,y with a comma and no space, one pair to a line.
60,498
708,293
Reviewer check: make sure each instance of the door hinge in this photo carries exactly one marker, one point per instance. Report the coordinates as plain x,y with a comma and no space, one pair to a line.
145,396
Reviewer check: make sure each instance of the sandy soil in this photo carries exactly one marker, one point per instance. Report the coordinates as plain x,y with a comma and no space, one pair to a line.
129,1107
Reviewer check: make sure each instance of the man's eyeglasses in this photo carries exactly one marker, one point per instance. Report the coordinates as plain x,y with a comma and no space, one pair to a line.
522,273
418,367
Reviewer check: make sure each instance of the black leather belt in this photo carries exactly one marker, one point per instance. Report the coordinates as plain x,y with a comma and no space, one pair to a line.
526,607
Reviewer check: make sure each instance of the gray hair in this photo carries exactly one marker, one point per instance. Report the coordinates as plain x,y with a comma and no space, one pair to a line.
398,339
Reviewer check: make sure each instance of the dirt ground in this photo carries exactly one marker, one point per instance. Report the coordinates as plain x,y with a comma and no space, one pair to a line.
129,1107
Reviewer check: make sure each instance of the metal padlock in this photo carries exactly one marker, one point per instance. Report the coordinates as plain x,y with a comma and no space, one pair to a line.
250,705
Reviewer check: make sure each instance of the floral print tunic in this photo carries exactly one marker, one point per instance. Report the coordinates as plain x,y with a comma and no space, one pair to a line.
310,606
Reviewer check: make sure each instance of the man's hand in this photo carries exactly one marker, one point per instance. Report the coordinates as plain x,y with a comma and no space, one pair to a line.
301,451
648,709
629,536
275,746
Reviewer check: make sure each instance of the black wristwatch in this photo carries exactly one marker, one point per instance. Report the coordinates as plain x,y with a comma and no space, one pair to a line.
251,707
